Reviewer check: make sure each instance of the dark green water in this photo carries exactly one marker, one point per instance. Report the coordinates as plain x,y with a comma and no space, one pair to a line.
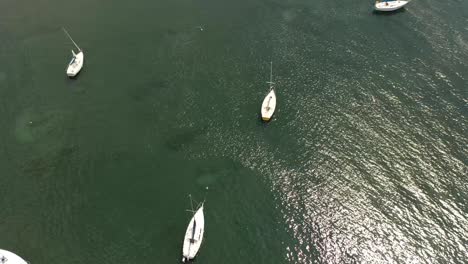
365,161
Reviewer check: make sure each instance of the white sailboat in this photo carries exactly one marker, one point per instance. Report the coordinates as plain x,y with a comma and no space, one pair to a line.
269,103
7,257
77,61
389,5
194,234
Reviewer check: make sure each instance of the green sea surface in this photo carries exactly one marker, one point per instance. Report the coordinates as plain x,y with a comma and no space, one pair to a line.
365,160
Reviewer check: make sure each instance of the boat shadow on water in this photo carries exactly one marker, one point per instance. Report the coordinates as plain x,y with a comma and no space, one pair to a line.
388,13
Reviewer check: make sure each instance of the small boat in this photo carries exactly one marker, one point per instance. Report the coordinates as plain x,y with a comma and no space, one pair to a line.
194,234
7,257
269,103
389,5
76,63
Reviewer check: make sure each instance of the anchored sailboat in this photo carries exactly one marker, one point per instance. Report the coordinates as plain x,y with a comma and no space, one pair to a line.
76,62
194,234
269,103
7,257
389,5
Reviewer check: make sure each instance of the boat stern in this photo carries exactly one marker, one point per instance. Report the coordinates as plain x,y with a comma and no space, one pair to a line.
73,70
71,73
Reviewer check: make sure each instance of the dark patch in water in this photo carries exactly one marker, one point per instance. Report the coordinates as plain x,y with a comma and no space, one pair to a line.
44,165
147,90
183,138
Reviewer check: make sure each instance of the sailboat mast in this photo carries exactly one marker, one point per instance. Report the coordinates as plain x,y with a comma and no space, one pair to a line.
271,75
271,72
191,203
66,32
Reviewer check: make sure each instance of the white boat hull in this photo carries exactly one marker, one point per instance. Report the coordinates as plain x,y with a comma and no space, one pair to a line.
75,65
7,257
390,5
193,236
268,106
